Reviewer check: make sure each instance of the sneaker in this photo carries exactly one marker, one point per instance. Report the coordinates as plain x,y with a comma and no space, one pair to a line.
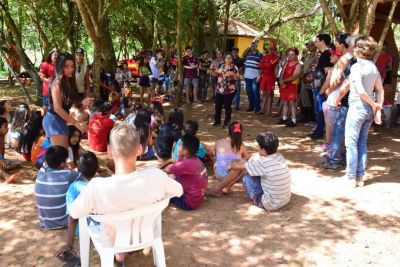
216,124
317,137
282,121
290,124
359,182
249,110
349,183
329,166
323,148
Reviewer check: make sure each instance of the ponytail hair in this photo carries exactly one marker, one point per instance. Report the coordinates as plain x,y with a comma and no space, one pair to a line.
235,132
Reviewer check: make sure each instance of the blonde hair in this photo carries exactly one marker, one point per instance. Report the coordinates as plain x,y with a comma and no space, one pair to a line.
365,47
124,140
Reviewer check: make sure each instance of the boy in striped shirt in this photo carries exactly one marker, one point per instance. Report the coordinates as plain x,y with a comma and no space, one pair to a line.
51,187
267,181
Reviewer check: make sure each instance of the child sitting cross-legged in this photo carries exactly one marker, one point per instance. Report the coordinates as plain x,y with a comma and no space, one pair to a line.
190,172
51,185
88,165
191,128
267,181
6,164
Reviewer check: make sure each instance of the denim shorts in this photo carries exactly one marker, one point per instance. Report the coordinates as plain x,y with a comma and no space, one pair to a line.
54,125
180,202
253,188
192,80
44,101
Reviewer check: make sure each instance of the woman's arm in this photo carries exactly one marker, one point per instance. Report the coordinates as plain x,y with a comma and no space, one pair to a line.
325,87
342,92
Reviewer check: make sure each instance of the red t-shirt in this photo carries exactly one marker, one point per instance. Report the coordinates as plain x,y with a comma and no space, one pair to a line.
268,64
190,61
99,127
382,62
192,175
47,69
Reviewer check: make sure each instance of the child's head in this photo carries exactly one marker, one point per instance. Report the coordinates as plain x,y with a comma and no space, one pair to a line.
189,146
127,102
88,164
79,106
74,137
191,127
156,107
235,132
267,142
97,104
106,108
21,116
56,157
3,112
119,68
176,118
3,126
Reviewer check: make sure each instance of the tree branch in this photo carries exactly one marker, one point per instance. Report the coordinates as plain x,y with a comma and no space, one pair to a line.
284,20
341,9
329,17
385,29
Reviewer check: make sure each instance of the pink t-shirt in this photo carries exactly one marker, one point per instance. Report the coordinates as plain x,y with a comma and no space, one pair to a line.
47,69
382,62
192,175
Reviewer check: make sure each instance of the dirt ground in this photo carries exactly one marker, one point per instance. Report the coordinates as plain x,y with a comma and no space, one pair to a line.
324,224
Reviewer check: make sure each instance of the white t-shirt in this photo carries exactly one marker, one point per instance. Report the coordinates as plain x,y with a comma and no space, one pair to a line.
155,68
331,100
80,73
124,192
275,179
70,155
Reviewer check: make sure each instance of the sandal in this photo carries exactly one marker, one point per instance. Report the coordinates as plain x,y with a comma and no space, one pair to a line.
70,258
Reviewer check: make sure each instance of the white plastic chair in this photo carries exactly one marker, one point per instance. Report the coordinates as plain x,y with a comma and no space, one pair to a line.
135,229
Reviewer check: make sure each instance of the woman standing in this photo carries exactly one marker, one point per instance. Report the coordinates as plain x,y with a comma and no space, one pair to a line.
62,94
46,73
144,80
364,78
226,75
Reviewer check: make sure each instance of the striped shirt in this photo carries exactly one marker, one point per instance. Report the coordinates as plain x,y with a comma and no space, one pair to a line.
252,65
51,187
275,179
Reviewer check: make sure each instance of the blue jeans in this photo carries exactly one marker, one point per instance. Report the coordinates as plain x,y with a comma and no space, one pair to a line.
166,83
253,93
337,154
253,188
236,99
319,130
359,120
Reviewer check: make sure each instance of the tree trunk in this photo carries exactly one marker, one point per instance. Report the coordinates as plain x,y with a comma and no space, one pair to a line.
155,32
226,23
196,27
369,15
107,48
212,20
179,68
388,23
23,58
328,16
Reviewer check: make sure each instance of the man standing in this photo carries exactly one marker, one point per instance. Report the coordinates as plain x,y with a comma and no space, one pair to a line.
322,42
156,63
204,75
238,61
384,65
128,188
81,73
252,77
190,64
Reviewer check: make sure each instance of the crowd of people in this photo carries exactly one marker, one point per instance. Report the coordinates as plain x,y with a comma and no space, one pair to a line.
336,84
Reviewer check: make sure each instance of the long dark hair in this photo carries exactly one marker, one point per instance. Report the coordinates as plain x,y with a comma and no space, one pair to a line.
21,116
75,148
48,59
30,133
69,89
176,119
142,124
235,132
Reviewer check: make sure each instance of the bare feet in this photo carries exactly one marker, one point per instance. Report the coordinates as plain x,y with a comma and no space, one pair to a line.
12,178
226,190
211,191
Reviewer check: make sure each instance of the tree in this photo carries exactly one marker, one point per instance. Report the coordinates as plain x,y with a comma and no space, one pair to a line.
95,18
179,68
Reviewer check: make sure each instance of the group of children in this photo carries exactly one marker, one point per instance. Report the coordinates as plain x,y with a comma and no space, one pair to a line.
64,172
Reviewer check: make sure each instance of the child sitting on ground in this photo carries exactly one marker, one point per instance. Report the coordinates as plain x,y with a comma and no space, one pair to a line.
39,150
30,134
88,165
267,182
51,185
5,164
99,127
190,172
74,149
142,124
20,118
80,113
190,128
229,149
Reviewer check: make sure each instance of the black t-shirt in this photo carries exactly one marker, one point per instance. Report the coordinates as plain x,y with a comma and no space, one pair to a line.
165,140
324,61
345,100
238,61
204,63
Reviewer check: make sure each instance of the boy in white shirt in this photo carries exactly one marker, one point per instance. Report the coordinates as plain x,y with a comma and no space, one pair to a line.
128,188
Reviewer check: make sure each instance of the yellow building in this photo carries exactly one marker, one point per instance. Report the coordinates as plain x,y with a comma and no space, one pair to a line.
239,35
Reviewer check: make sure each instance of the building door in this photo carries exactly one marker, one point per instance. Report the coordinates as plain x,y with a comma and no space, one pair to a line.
230,43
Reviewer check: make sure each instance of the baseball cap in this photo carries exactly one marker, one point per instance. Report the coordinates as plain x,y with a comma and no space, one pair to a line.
80,50
335,52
